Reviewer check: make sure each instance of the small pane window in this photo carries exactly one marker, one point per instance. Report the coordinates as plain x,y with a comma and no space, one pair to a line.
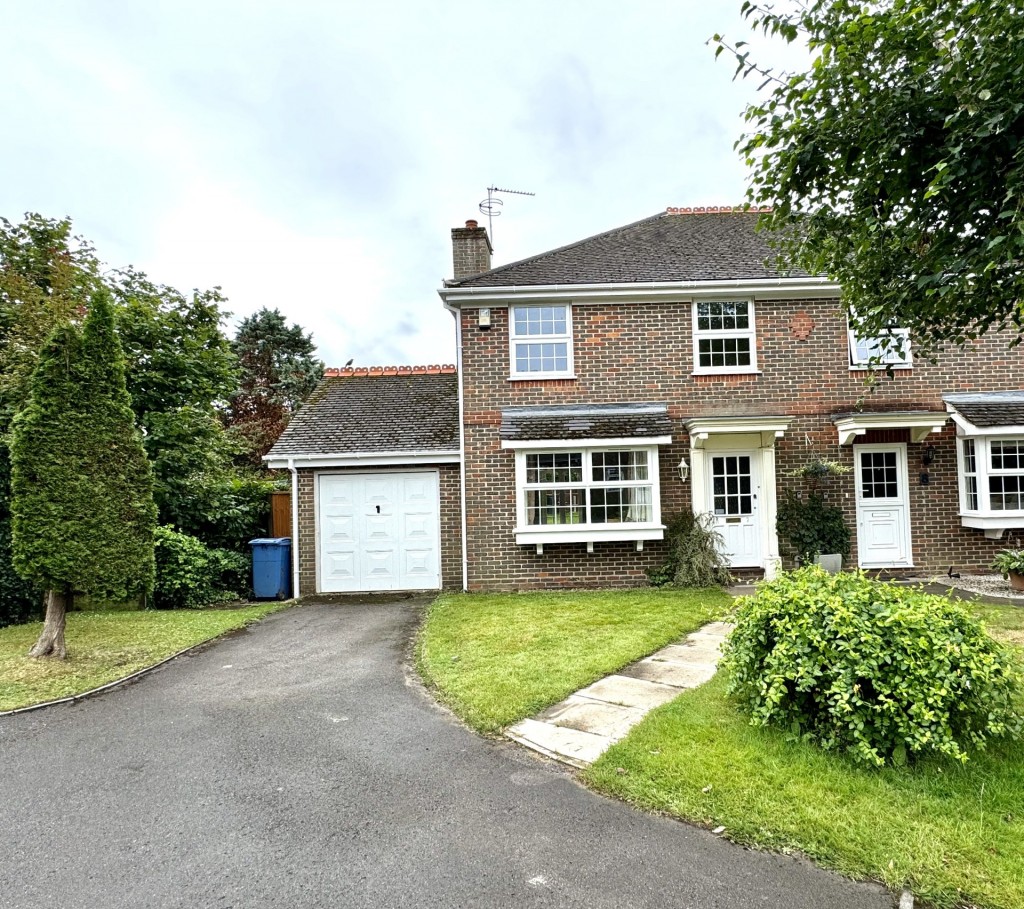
878,475
1006,493
724,336
730,485
589,487
970,475
541,340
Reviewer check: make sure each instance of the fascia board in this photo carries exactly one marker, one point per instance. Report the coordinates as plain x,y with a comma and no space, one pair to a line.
366,459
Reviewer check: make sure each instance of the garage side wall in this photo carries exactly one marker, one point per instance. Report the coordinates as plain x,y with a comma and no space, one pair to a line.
450,519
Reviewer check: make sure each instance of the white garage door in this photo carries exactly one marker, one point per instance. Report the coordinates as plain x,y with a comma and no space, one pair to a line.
379,531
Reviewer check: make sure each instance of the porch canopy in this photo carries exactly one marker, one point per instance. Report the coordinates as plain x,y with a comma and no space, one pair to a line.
920,423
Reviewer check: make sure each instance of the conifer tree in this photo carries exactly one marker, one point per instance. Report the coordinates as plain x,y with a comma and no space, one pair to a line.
82,508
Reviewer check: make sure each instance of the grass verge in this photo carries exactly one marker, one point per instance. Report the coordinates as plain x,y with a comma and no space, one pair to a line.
104,646
497,658
953,834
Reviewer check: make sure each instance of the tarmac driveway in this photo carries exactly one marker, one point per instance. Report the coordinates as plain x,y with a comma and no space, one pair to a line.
294,765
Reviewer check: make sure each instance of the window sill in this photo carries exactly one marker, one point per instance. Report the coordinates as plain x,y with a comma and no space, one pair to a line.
726,372
542,376
881,367
566,533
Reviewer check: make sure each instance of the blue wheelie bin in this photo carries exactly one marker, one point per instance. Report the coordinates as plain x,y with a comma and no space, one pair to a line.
271,568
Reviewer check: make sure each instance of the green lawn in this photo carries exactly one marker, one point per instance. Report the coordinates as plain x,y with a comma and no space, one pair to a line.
104,646
497,658
954,834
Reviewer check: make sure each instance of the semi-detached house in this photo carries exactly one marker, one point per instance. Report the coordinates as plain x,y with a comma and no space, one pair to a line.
607,385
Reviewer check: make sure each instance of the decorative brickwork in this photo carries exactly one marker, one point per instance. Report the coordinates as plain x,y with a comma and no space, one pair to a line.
451,524
640,351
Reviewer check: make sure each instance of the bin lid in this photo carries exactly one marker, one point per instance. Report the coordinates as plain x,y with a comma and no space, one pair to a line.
270,541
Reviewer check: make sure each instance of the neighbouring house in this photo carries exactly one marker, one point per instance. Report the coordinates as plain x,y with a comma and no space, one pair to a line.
608,385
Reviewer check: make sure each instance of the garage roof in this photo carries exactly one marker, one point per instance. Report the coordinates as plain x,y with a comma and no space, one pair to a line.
376,409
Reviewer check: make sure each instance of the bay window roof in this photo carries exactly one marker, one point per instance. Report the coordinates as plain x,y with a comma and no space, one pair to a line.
987,413
571,422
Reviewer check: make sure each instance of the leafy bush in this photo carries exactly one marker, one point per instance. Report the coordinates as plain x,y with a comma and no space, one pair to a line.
695,554
809,526
881,671
190,575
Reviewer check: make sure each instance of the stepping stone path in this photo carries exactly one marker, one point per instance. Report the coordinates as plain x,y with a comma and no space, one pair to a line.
581,728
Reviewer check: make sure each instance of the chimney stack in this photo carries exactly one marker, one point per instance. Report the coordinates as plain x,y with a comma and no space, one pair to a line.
471,250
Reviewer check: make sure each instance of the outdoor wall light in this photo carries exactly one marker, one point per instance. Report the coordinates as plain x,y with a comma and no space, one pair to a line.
928,455
684,469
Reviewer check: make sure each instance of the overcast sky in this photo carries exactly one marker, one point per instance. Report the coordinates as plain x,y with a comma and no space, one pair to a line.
314,156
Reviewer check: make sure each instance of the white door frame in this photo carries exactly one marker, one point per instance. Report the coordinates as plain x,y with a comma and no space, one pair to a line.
862,505
371,473
763,456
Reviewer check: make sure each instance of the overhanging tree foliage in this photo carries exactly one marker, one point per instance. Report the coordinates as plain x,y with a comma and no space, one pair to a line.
82,507
279,370
895,164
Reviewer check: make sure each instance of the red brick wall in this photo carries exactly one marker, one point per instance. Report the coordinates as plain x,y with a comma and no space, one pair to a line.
451,524
644,352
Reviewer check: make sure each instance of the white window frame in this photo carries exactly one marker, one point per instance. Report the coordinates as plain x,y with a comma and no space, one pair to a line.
534,534
560,338
750,332
984,516
887,360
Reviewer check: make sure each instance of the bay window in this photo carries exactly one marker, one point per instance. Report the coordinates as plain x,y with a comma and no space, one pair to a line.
583,494
992,482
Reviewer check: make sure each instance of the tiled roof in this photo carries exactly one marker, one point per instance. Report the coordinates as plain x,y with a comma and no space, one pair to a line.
376,409
596,421
998,408
716,244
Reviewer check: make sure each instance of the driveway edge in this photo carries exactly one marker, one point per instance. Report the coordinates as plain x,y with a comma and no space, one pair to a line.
128,679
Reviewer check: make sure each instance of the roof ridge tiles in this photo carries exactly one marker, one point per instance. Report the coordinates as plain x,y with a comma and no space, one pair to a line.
718,210
335,372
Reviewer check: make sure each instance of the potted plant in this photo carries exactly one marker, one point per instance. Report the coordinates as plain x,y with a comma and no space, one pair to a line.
1010,563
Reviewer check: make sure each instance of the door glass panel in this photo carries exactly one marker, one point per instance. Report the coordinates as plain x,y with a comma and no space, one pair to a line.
879,475
731,485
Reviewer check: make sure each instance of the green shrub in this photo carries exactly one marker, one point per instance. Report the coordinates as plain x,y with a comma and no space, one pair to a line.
694,554
881,671
189,575
808,527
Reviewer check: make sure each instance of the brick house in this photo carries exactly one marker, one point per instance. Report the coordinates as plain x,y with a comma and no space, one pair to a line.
668,365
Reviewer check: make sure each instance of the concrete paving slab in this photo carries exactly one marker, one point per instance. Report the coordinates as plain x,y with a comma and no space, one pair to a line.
722,628
681,675
688,653
569,745
598,717
621,689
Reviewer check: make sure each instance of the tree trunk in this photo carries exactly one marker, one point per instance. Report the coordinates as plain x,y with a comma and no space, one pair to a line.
51,641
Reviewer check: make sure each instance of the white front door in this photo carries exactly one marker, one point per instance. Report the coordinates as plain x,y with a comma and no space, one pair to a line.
379,532
734,484
883,511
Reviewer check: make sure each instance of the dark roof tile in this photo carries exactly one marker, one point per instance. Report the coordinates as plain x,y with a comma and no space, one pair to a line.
573,421
359,411
705,246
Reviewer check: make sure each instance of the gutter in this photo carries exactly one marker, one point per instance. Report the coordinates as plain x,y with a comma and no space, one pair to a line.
455,295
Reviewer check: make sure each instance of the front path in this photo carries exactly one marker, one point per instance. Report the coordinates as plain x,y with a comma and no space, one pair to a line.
294,765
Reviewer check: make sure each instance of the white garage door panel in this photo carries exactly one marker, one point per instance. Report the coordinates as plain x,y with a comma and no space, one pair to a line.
379,532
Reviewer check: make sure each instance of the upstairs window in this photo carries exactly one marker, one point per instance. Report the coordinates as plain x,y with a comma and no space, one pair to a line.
891,349
541,341
723,336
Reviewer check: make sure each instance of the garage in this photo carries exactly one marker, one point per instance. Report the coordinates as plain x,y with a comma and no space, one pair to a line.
379,531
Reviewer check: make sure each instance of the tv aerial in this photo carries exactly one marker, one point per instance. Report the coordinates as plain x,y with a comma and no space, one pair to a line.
491,206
